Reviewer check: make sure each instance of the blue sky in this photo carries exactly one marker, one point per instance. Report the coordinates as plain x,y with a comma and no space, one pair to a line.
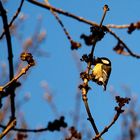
59,69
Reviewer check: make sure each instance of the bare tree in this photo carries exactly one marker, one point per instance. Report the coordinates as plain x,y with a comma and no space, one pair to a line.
97,71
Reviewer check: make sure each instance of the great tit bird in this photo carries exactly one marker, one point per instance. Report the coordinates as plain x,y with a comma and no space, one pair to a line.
101,71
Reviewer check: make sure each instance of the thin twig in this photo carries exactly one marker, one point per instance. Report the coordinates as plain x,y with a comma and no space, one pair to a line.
84,90
26,130
60,11
10,57
124,26
124,45
10,125
23,71
90,117
14,17
107,127
121,103
59,21
86,80
105,8
117,26
81,19
56,125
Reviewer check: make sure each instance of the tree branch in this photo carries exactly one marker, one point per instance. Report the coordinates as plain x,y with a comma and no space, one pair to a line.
14,17
23,71
121,103
117,26
90,116
10,57
55,125
60,11
10,125
124,45
74,45
124,26
27,130
97,35
81,19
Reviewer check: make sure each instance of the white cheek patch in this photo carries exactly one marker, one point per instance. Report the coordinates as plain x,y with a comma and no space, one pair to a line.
105,61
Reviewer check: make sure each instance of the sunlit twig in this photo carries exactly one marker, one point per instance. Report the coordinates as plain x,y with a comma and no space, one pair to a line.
121,103
81,19
10,125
